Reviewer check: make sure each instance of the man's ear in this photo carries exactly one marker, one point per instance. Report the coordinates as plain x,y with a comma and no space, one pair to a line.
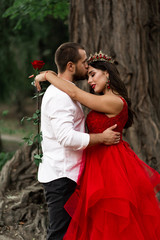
71,66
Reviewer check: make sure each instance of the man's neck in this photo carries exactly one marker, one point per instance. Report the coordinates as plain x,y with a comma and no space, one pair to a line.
66,76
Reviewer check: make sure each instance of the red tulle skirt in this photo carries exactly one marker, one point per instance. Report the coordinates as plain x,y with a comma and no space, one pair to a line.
115,198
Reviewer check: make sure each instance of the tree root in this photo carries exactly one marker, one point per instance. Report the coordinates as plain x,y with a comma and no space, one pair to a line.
23,212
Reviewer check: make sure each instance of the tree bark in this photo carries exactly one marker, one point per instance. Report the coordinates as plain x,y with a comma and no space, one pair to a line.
23,212
129,31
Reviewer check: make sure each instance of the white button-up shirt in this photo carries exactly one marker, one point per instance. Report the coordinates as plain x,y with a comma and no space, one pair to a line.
64,137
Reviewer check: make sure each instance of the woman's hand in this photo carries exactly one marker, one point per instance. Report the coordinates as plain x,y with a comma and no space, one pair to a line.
41,77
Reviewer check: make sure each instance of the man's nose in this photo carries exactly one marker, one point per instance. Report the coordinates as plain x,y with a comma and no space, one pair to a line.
86,65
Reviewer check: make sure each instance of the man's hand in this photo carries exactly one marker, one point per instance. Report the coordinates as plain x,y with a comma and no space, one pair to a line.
110,137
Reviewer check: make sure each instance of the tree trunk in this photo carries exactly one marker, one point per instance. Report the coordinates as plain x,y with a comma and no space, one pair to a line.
23,213
129,31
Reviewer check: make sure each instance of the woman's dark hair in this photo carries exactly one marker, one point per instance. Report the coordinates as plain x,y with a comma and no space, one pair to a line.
116,85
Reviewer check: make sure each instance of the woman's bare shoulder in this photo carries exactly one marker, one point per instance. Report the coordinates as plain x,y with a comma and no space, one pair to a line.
115,101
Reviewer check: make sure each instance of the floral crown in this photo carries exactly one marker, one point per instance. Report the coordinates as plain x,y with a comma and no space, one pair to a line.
100,57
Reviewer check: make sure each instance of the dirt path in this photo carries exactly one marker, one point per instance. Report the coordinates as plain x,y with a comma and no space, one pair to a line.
10,143
7,137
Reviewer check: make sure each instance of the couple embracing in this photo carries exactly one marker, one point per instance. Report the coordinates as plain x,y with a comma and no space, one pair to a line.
95,186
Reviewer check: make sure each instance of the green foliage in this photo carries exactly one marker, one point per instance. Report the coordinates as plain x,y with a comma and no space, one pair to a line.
33,139
30,30
4,157
35,117
37,159
5,112
61,9
37,11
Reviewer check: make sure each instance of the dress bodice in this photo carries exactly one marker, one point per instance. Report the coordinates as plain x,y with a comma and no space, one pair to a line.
97,122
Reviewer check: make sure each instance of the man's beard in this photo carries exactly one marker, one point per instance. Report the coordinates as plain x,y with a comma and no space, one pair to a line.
79,76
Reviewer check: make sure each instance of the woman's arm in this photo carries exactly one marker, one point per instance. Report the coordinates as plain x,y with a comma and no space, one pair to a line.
108,104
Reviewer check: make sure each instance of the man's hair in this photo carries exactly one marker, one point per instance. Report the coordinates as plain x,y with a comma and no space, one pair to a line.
65,53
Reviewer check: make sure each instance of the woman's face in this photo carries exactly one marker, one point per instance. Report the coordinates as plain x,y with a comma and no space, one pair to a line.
97,79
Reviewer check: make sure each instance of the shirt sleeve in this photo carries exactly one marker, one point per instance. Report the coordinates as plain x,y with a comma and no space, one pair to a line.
61,110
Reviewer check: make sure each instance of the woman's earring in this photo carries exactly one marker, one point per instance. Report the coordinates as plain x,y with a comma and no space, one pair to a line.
108,83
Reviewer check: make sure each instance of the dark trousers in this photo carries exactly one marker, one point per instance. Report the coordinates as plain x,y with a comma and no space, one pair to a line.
57,193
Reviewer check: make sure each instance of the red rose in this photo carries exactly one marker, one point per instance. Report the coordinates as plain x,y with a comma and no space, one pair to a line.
37,64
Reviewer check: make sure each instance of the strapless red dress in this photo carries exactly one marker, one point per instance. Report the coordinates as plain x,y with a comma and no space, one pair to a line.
115,198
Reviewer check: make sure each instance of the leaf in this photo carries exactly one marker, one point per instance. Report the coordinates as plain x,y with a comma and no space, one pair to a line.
38,111
22,120
40,138
5,112
25,139
30,9
37,156
35,116
35,139
37,159
29,118
41,94
30,142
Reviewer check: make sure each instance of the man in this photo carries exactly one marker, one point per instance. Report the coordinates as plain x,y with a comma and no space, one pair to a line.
64,138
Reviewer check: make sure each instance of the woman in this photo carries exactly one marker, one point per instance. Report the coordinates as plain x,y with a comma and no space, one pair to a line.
115,198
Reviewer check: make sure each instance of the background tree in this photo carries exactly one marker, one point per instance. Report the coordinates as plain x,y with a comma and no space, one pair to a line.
129,31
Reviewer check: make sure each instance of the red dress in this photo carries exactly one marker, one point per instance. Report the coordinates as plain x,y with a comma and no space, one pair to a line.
115,198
